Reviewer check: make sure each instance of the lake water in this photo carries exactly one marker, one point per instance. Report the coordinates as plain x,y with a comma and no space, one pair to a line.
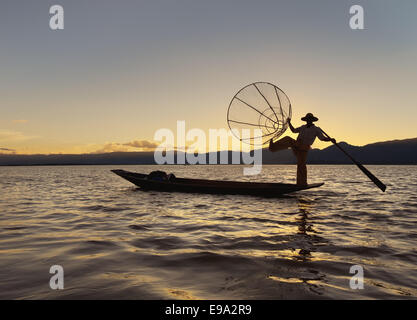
115,241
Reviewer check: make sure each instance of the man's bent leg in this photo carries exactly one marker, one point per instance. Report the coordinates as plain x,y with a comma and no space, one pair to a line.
282,144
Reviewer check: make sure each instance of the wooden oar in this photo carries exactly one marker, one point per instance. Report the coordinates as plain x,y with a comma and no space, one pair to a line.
361,167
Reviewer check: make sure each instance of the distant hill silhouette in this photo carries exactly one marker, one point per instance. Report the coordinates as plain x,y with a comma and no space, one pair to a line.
389,152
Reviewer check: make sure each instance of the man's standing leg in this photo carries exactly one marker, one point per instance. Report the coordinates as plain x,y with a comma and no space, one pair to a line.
301,167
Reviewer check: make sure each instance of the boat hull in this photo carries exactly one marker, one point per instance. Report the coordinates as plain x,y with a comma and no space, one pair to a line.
212,186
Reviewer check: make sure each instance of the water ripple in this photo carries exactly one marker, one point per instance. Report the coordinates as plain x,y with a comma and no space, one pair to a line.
115,241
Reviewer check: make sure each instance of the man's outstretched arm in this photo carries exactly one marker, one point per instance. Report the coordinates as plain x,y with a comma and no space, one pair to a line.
294,130
322,137
291,126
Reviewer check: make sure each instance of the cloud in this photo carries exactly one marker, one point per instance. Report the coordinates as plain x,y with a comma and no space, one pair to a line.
7,150
143,145
112,147
20,121
12,135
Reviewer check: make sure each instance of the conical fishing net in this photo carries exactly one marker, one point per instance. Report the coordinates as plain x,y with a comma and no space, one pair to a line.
260,105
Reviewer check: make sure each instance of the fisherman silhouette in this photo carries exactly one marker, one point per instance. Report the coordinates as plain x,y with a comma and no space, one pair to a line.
306,135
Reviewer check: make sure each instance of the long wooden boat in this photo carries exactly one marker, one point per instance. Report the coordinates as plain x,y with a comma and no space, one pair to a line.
146,182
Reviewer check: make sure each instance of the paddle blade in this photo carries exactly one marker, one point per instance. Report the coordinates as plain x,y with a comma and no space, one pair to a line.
374,179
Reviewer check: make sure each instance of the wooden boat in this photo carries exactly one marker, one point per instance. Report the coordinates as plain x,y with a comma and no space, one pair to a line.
211,186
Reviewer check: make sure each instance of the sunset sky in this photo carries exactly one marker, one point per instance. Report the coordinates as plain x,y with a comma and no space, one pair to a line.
120,70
